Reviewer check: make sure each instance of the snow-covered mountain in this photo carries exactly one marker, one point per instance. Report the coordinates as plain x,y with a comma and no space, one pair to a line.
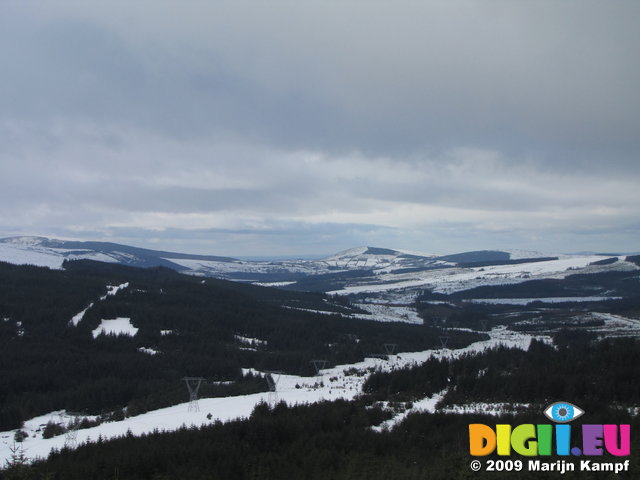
357,270
52,253
381,259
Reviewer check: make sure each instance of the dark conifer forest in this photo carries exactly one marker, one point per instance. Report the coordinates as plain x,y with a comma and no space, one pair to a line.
335,439
47,364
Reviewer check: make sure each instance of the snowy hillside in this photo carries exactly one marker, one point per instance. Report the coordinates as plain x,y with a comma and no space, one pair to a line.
358,270
372,257
31,252
449,280
341,381
52,253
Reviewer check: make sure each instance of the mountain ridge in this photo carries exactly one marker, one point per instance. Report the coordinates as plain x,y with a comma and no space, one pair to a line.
359,269
112,247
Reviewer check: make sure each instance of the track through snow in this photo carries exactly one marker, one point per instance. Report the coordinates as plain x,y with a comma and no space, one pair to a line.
342,381
111,290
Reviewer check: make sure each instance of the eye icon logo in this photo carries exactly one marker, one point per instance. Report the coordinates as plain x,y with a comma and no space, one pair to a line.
563,412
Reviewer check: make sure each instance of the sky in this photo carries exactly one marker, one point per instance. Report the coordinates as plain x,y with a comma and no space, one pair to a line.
308,127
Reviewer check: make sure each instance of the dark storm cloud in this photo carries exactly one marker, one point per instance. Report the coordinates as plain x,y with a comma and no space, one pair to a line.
554,78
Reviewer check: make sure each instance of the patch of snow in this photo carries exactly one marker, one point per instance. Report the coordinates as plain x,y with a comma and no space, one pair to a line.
383,312
250,341
77,318
427,404
113,289
118,326
148,351
322,312
273,284
615,325
527,301
485,408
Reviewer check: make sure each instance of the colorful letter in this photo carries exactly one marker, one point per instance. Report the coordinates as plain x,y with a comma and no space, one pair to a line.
563,439
503,434
544,439
611,440
523,440
592,439
482,440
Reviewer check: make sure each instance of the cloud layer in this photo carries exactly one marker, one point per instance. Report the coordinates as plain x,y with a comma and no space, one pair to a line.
251,128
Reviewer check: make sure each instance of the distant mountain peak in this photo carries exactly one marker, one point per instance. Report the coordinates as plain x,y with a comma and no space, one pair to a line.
374,251
25,240
362,252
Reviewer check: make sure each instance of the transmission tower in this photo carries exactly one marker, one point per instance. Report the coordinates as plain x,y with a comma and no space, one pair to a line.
390,348
72,426
272,380
193,385
444,340
319,365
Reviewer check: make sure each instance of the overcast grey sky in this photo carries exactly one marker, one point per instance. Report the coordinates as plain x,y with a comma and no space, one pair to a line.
307,127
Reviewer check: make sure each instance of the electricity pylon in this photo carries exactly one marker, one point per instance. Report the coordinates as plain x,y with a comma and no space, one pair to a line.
272,380
193,385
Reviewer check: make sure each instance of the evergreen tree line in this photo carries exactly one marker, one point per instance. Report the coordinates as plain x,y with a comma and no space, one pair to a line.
331,440
578,368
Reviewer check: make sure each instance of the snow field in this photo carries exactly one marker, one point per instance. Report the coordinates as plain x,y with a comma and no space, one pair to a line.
33,254
427,405
381,312
21,256
118,326
615,325
451,280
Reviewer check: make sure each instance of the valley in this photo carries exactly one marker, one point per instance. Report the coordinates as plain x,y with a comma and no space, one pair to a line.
99,349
